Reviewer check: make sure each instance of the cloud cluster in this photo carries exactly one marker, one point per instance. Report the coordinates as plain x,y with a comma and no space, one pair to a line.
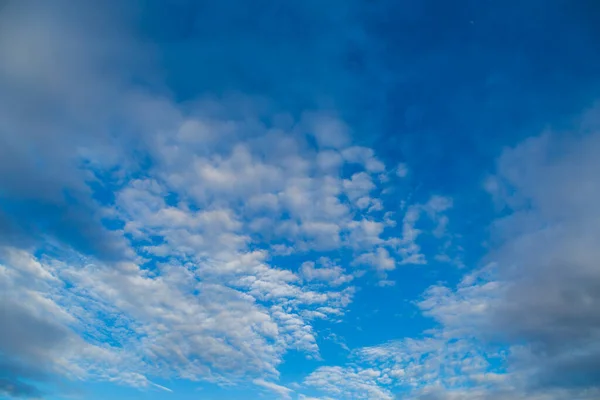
348,382
195,292
525,325
144,239
547,259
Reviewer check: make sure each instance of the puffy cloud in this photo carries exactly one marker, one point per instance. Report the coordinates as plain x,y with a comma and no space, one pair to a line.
440,361
165,322
359,185
363,156
379,259
348,383
326,272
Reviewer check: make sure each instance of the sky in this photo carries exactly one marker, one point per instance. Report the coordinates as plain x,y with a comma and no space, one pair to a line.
300,200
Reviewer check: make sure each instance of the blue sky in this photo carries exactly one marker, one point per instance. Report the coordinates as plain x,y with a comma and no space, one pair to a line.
299,200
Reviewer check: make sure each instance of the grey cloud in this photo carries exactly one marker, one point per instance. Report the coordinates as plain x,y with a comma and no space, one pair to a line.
548,255
483,394
29,345
540,293
56,98
27,335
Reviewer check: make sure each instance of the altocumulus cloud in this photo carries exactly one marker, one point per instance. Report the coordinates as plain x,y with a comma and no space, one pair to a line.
146,241
170,274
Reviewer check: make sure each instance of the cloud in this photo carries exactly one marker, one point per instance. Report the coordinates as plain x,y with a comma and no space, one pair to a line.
546,256
406,245
348,383
192,293
304,397
136,238
18,389
363,156
282,391
327,272
360,184
545,286
36,341
329,131
136,324
48,57
402,170
524,325
139,233
379,259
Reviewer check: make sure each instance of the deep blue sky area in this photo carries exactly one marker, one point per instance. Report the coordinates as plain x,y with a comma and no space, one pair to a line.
458,81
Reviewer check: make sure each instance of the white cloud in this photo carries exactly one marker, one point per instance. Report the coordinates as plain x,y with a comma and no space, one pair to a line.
329,160
304,397
359,185
365,233
348,383
282,391
326,272
379,259
406,246
329,131
363,156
